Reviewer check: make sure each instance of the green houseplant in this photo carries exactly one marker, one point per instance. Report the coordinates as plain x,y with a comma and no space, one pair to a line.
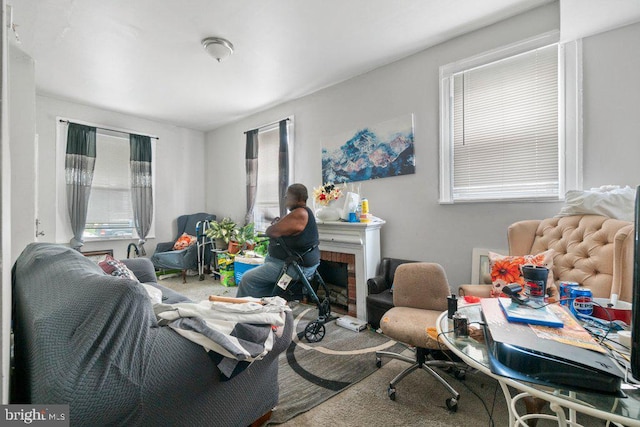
246,236
222,231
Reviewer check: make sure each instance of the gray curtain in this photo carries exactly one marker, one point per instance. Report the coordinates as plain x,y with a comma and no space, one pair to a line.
283,166
141,186
79,164
251,165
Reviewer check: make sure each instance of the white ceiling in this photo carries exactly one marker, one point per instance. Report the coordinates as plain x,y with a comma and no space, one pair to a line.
144,57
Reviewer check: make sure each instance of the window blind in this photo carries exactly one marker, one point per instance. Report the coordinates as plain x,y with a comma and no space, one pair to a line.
505,128
109,213
267,205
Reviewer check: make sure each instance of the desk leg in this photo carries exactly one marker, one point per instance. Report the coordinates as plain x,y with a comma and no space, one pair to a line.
534,405
572,412
507,398
562,420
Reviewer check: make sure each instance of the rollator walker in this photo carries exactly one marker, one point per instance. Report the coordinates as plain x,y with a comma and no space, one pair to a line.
315,330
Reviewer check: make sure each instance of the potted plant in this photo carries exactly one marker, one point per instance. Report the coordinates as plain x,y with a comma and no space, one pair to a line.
246,236
262,246
222,231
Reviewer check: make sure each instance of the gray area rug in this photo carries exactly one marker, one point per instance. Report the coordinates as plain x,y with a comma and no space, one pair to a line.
310,373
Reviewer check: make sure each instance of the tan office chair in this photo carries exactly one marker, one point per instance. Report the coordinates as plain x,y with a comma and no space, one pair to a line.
420,293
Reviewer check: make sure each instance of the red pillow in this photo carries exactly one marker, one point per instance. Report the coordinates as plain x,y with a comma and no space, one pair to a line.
184,242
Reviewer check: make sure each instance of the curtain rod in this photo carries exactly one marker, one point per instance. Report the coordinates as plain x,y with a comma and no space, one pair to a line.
267,125
109,129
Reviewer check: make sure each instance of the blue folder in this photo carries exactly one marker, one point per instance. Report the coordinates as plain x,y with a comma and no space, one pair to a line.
527,314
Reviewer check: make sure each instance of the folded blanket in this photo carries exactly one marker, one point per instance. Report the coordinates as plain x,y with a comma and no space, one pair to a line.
238,333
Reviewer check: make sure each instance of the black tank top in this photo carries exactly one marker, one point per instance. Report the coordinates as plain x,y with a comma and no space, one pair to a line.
300,243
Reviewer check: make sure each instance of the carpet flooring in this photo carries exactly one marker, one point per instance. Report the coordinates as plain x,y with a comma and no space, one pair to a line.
198,290
420,399
310,373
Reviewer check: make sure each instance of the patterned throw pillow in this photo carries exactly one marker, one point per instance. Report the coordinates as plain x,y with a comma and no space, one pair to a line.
184,242
506,269
113,267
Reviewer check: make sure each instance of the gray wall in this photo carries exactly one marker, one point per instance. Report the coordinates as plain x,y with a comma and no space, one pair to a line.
612,107
179,169
417,226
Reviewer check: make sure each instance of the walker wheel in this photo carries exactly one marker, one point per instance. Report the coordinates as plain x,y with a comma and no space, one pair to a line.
460,374
314,332
378,362
452,404
201,277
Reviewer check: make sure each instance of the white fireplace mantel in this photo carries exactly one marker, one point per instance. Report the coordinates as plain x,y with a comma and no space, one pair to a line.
363,241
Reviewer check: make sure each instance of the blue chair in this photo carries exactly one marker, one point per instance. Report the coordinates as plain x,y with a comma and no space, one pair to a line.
166,257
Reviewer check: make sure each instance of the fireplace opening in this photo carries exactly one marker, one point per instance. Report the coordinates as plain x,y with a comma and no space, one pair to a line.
336,277
338,270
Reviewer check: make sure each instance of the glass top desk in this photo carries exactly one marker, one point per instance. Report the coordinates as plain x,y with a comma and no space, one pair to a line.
624,411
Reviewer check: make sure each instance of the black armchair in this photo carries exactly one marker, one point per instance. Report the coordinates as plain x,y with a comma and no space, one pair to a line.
380,295
184,259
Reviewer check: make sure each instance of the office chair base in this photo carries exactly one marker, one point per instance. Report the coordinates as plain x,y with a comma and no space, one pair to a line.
421,362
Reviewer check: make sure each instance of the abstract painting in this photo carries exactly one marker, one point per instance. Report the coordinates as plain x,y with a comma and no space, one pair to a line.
378,151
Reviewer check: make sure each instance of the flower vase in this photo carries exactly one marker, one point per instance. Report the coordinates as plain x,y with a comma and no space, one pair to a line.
331,212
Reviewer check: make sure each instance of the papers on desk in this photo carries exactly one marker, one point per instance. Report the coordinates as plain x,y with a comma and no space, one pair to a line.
552,322
572,333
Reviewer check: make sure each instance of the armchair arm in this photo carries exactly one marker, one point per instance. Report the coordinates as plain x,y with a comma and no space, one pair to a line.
164,246
377,284
142,268
622,282
482,291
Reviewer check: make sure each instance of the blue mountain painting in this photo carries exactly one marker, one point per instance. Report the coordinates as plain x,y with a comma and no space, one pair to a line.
367,156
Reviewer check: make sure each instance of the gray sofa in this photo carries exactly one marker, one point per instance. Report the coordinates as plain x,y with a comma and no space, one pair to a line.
92,341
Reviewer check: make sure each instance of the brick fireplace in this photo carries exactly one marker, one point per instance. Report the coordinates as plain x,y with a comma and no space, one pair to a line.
358,246
349,260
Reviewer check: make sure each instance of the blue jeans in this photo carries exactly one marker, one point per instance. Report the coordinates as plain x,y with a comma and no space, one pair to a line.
260,281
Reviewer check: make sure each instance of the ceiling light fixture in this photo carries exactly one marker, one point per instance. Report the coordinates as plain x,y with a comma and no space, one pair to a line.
218,47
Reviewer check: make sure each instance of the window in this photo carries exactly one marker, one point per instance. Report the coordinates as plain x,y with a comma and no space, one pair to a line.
109,214
267,205
502,134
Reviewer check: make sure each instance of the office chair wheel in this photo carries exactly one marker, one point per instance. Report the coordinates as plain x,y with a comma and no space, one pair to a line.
314,332
378,362
452,404
391,392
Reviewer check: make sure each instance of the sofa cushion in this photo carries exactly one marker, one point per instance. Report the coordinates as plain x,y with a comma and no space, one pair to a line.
169,296
506,269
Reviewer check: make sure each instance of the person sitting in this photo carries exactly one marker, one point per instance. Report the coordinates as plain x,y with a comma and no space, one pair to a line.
299,232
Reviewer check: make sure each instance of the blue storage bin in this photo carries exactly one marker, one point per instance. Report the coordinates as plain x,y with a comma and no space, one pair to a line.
242,265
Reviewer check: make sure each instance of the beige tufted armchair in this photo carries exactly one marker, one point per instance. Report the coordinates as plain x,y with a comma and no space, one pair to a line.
593,250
